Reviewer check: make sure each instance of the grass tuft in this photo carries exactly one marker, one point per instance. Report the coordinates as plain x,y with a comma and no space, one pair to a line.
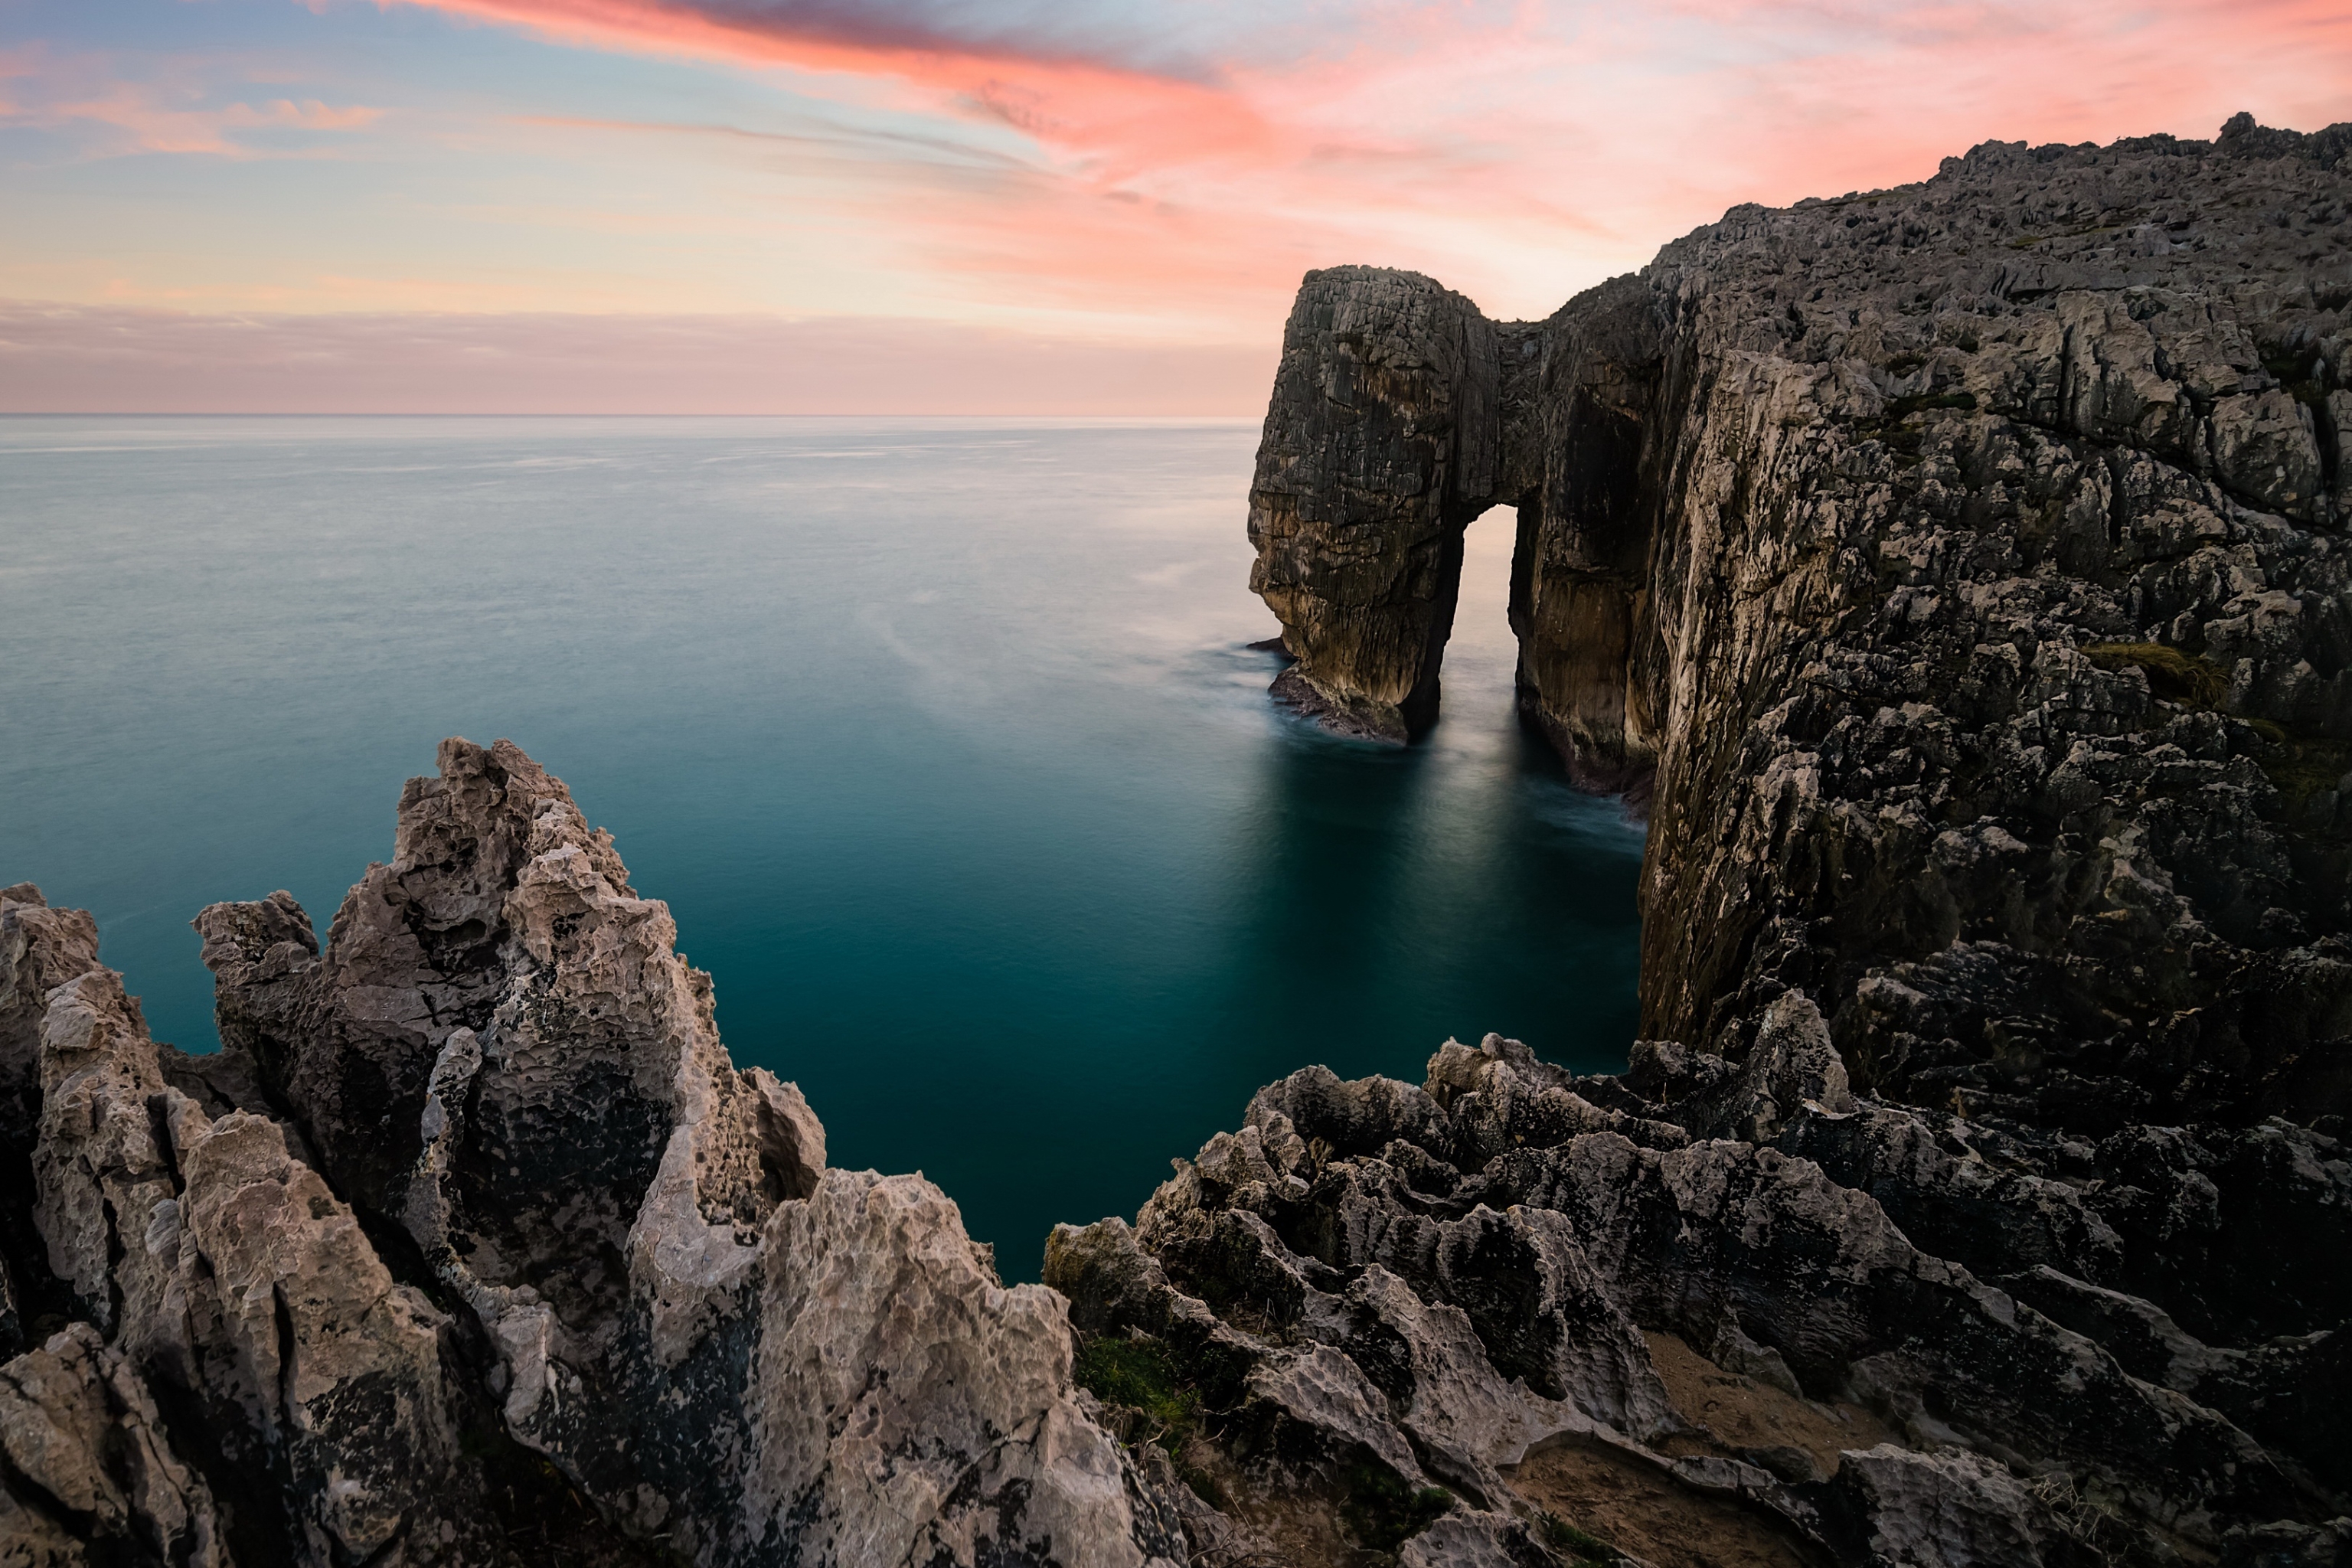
1582,1549
1384,1512
2184,678
1139,1375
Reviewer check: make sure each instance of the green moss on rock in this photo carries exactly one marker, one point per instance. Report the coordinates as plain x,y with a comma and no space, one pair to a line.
1137,1373
1579,1548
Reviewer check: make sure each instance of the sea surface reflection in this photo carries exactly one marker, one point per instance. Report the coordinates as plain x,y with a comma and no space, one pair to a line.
940,738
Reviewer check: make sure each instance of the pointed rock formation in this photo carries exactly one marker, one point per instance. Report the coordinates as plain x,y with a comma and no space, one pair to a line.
505,1243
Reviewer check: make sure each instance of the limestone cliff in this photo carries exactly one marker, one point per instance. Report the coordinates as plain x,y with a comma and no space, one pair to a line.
1960,570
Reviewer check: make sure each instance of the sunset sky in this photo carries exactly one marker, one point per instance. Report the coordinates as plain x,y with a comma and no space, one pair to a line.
956,205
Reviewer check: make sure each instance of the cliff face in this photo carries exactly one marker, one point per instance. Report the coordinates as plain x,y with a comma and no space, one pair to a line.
1958,570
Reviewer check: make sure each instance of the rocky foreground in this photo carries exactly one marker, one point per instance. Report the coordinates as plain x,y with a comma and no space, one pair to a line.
1957,569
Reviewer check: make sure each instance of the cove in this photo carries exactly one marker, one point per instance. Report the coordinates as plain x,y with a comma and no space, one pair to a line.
943,741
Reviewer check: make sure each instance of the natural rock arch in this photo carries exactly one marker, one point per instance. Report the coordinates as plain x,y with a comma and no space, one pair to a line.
1399,414
1957,569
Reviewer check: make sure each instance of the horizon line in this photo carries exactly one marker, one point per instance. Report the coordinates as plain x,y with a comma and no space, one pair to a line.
558,414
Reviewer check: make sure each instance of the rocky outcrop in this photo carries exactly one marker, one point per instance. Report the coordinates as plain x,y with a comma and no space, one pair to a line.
90,1476
1546,1304
1389,388
473,1247
1956,572
40,950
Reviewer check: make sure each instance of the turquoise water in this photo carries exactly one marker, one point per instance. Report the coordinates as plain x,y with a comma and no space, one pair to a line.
941,739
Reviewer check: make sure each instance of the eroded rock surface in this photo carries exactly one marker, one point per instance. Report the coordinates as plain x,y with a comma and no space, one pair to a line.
1958,573
1536,1305
472,1247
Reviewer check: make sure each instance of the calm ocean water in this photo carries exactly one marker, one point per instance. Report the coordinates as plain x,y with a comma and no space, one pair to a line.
939,737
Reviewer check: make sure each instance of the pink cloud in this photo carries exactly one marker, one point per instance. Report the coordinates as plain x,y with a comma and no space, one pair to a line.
308,114
168,114
86,359
1169,187
153,125
1518,153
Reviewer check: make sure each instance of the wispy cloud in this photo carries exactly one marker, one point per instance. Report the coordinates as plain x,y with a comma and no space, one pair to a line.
151,124
1162,173
813,137
1195,40
1522,149
177,112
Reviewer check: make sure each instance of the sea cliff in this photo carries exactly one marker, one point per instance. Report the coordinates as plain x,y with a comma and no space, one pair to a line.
1958,573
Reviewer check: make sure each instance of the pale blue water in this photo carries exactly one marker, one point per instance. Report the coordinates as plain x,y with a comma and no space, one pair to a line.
939,737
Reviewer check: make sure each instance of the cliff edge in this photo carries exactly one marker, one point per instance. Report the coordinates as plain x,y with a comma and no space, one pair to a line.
1958,572
1958,569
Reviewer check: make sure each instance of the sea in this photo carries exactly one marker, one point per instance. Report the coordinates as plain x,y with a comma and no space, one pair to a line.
944,739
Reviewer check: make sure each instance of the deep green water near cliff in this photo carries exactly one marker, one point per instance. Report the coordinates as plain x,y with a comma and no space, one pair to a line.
941,739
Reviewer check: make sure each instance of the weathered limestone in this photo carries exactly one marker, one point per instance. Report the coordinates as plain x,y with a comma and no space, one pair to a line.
40,950
79,1434
1960,566
474,1229
1490,1261
1954,570
1388,387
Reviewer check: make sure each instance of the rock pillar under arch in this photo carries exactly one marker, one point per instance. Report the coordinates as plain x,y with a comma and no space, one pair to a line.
1380,447
1399,414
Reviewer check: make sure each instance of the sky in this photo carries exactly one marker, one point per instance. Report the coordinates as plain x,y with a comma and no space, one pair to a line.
939,206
